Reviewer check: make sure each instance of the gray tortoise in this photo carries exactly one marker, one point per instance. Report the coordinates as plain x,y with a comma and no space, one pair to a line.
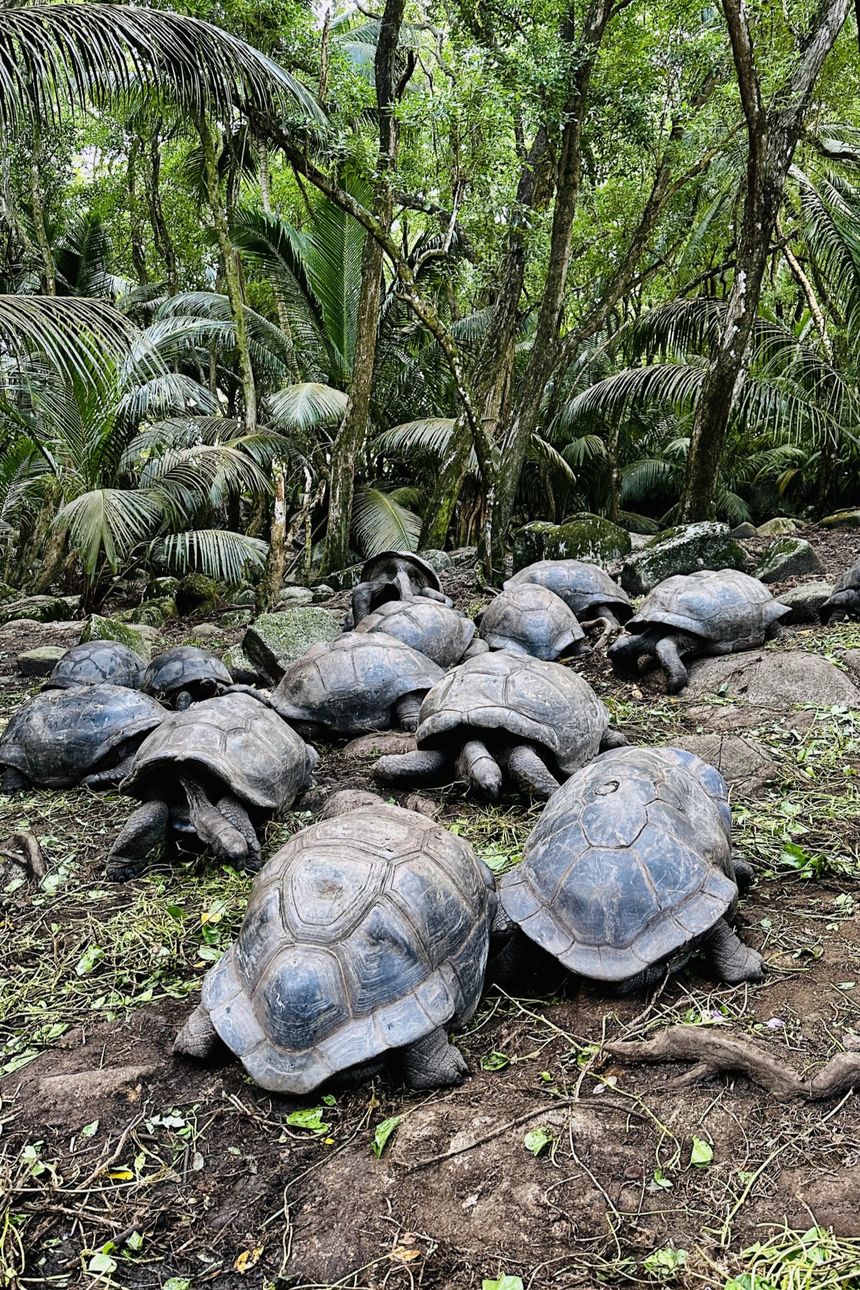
97,663
844,599
83,735
504,714
360,682
434,629
629,871
211,770
529,619
585,588
394,575
185,675
697,614
366,936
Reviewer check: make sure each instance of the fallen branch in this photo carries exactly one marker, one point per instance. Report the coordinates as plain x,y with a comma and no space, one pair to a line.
720,1054
28,855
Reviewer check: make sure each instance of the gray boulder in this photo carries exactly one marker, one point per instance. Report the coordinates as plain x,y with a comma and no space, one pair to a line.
805,600
788,558
582,537
240,667
295,597
779,526
207,632
438,560
273,641
773,679
743,763
137,638
745,530
40,661
686,549
848,519
39,609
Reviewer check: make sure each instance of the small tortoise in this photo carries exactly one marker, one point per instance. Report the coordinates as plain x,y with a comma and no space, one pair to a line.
697,614
394,575
83,735
208,770
504,712
360,682
844,599
441,633
630,870
97,663
366,935
528,619
585,588
184,675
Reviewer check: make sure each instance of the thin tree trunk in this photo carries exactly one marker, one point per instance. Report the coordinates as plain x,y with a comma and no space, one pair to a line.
135,225
280,302
212,144
37,201
160,234
269,589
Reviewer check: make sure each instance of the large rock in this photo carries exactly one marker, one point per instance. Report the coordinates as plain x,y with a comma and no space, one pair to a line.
438,560
98,628
40,661
779,526
39,609
582,537
240,667
849,519
294,597
274,641
686,549
742,762
197,594
805,600
788,558
773,679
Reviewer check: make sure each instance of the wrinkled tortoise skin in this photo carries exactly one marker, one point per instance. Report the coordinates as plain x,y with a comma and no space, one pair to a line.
429,626
363,934
583,587
730,611
350,685
233,739
60,736
629,864
529,619
97,663
539,703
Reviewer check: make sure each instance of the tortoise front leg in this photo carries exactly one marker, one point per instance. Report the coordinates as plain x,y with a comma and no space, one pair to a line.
433,1062
669,658
198,1037
234,812
13,781
226,841
110,778
528,771
479,768
421,767
143,839
407,711
731,959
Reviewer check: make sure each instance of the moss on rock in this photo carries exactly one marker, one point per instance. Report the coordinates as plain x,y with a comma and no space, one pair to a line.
788,558
98,628
683,549
41,609
197,594
275,640
582,537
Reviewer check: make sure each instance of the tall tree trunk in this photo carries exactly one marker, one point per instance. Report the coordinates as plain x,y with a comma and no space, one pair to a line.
280,302
135,224
352,432
160,234
37,201
212,142
269,588
772,135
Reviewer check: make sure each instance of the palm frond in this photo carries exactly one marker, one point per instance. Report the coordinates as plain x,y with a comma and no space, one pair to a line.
381,523
304,406
108,523
219,553
73,334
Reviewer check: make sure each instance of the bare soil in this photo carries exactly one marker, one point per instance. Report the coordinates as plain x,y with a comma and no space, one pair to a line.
123,1165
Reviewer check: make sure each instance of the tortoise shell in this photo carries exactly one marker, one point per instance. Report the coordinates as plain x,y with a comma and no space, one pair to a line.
629,864
60,736
350,685
583,587
183,667
234,738
515,695
97,663
364,933
529,619
837,601
429,626
419,572
729,610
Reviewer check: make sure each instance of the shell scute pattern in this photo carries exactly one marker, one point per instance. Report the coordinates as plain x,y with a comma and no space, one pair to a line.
177,669
630,861
429,626
530,619
357,939
97,663
580,585
729,610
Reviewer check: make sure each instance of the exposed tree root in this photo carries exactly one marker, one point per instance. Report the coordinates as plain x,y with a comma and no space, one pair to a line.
718,1054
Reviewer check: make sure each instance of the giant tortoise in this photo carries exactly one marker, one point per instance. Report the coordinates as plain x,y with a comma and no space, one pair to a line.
184,675
586,588
529,619
697,614
394,575
365,936
844,599
432,628
97,663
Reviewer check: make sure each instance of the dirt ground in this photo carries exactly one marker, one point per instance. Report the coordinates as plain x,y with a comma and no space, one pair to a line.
124,1166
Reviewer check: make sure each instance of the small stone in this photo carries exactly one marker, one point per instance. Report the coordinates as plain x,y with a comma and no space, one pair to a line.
323,592
745,530
849,519
378,744
236,618
158,587
850,659
40,661
685,549
438,560
208,632
273,641
137,638
779,526
245,596
788,558
805,600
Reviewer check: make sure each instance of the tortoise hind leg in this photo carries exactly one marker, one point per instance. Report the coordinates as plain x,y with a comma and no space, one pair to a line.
235,813
479,768
111,777
732,960
142,840
198,1037
529,772
406,711
433,1062
13,781
422,767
